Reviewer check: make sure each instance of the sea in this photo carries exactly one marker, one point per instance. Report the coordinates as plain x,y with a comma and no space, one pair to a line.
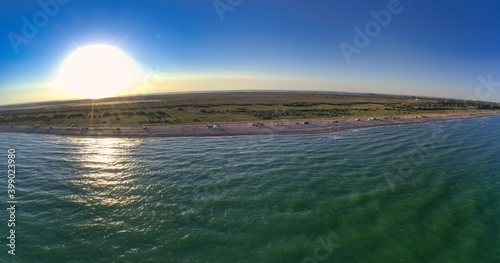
412,193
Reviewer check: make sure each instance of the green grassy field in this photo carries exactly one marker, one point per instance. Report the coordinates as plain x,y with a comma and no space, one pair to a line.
230,107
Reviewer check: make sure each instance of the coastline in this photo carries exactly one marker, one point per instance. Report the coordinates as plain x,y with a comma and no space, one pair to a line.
238,129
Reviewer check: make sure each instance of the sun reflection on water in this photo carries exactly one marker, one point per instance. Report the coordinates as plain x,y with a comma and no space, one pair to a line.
105,172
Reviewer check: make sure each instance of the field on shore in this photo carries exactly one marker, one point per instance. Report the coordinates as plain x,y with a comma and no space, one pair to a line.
234,107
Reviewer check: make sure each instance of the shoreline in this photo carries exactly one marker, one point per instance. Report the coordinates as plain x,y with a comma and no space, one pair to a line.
239,129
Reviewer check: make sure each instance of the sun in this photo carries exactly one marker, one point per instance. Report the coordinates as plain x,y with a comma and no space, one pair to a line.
98,71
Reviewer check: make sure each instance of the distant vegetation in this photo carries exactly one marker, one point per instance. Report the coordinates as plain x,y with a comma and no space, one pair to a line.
229,107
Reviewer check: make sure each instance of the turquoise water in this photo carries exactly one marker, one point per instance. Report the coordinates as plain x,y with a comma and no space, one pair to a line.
414,193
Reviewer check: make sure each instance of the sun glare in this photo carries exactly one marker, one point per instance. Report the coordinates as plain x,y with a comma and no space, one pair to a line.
97,71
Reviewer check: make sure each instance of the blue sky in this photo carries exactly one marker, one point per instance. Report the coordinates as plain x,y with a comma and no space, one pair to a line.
434,48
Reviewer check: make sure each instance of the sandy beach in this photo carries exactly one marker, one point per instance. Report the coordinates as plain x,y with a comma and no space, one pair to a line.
235,129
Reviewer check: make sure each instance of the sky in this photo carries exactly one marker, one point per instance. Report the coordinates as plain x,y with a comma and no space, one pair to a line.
446,48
